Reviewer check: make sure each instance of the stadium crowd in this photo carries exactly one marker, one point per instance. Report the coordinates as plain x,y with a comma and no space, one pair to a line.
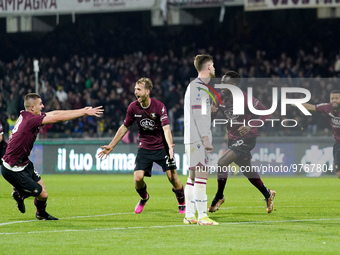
105,75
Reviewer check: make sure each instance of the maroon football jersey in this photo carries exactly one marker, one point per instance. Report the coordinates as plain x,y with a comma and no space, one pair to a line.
1,129
150,122
3,143
22,138
333,117
236,121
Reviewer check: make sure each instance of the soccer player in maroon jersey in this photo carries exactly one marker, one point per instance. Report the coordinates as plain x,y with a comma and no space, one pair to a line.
3,143
155,144
332,111
241,140
17,169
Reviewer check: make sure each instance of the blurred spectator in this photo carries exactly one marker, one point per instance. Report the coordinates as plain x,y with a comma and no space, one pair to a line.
13,104
11,120
62,96
105,74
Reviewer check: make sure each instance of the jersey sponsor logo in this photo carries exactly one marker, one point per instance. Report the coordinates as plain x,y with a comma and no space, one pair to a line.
138,115
148,124
238,143
336,121
164,117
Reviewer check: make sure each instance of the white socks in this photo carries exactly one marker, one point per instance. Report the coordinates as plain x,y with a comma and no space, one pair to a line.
190,205
201,200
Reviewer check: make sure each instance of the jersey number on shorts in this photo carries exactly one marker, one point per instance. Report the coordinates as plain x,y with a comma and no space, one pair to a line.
170,162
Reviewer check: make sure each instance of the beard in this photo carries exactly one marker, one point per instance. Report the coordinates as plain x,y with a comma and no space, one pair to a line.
337,107
212,75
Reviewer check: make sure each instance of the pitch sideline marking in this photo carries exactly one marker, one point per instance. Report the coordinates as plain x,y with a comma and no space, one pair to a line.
65,218
150,227
113,214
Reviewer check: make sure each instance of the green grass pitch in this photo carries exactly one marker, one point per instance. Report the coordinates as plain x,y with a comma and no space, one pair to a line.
97,217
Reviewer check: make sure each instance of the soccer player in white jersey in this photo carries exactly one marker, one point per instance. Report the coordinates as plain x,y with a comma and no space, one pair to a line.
197,140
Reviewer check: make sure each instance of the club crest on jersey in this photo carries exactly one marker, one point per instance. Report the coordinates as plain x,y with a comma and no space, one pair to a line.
153,115
147,124
229,114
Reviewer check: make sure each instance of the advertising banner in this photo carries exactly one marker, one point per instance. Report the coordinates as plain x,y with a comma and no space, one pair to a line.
256,5
45,7
204,3
277,159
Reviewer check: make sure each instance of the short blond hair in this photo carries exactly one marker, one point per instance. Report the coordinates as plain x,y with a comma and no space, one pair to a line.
147,82
28,98
201,60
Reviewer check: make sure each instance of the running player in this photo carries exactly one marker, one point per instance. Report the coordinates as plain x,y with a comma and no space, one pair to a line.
17,169
3,143
241,140
155,144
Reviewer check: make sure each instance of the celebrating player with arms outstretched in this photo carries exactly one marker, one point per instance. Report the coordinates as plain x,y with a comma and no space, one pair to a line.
332,111
17,169
155,144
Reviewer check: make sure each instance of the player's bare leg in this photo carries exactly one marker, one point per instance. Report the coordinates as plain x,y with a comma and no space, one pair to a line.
40,204
177,188
141,187
255,179
338,174
222,176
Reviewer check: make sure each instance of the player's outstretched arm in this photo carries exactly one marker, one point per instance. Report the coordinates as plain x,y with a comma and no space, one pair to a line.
169,140
309,107
108,148
60,116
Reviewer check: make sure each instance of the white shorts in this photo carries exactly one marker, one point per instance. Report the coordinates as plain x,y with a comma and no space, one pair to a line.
196,155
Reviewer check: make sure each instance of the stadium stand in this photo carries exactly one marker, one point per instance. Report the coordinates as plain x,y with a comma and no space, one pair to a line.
83,65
